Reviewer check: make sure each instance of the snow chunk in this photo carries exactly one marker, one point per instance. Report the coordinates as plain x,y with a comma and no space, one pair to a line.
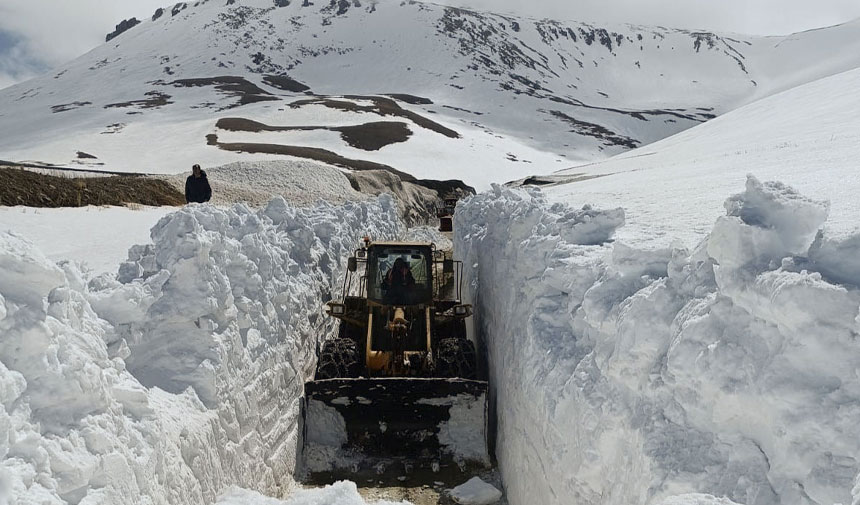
458,433
329,428
588,226
475,492
764,224
26,275
837,259
775,205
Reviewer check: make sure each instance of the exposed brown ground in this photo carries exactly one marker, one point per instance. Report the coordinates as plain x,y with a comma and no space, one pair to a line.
69,106
24,187
154,100
368,136
285,83
410,99
246,91
375,136
553,179
381,106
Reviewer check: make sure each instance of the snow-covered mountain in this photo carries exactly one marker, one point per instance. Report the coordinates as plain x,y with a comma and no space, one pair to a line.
477,96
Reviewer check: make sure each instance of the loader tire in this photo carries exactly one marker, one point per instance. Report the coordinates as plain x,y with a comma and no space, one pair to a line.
339,360
457,358
451,329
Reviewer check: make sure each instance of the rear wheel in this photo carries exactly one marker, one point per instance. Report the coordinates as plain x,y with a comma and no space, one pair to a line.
339,360
456,357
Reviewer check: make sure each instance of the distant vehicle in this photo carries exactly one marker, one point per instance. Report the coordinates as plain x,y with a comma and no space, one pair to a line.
445,213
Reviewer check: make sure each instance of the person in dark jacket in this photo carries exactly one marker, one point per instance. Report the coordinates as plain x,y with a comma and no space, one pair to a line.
399,282
197,186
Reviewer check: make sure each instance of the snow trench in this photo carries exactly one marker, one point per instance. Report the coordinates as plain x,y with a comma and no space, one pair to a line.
182,375
727,373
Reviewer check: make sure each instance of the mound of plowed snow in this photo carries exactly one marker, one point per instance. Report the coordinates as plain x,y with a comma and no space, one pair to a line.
631,376
182,375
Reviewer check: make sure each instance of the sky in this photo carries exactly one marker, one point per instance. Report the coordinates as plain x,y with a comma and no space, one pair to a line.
37,35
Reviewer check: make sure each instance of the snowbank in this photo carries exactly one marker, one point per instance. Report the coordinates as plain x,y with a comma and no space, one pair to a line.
181,376
256,182
628,376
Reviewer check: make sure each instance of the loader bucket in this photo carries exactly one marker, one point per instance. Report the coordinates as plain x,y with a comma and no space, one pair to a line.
406,431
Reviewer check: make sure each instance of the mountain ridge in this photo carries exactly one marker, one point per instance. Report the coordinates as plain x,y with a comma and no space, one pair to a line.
560,93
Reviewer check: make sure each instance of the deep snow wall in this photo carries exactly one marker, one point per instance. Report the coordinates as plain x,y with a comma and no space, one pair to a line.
627,376
181,375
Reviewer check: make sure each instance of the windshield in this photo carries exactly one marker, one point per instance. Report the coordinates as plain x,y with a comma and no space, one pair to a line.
399,275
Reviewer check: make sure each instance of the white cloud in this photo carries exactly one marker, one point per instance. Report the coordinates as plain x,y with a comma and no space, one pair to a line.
7,80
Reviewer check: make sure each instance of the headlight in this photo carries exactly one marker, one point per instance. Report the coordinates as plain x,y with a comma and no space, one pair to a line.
336,309
462,310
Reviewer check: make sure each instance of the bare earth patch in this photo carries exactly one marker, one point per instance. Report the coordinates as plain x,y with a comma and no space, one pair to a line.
246,91
285,83
20,186
154,100
368,136
381,106
69,106
605,135
410,99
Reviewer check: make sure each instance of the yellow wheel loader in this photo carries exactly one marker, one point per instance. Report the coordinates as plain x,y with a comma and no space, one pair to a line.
398,394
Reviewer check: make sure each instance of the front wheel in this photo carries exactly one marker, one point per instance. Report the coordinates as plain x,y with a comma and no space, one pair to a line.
339,360
456,357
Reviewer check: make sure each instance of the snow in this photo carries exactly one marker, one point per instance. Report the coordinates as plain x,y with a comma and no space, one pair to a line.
457,434
805,137
97,236
475,492
339,493
182,376
323,439
625,374
330,428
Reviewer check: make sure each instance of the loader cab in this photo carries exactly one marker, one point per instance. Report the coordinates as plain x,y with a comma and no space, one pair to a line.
400,274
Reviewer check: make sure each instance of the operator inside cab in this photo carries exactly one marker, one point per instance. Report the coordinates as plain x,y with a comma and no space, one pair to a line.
398,282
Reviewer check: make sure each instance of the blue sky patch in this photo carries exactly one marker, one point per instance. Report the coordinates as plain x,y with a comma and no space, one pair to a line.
7,42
